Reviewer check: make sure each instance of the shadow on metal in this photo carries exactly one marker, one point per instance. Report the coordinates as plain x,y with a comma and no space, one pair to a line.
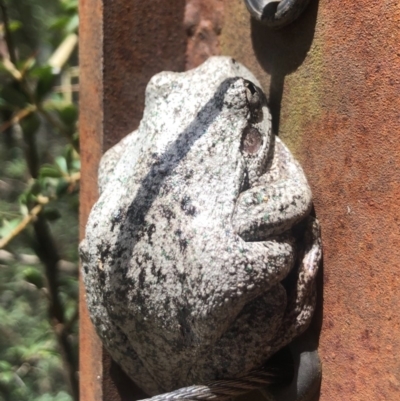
282,52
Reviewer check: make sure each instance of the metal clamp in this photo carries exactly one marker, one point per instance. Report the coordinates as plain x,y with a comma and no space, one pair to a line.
306,381
276,13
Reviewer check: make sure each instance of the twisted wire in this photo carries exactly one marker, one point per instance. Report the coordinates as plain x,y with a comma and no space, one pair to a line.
220,390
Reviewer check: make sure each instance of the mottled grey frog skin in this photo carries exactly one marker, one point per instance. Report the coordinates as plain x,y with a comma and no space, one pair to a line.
202,214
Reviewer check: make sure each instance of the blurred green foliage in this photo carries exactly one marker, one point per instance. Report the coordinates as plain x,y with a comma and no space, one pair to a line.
39,184
30,364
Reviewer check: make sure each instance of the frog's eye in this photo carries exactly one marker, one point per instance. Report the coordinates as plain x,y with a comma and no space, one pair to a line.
255,101
251,140
253,95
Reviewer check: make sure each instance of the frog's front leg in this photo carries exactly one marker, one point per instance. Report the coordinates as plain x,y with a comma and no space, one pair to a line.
279,199
298,315
301,302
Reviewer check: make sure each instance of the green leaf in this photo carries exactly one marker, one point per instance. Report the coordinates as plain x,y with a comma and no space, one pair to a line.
3,103
26,199
8,226
48,170
14,25
70,5
45,82
69,157
60,23
73,24
12,96
16,168
68,114
62,164
62,187
30,125
33,276
61,396
4,366
6,377
76,165
75,141
36,188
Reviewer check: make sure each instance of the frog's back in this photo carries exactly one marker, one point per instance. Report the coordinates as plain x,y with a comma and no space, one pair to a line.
161,229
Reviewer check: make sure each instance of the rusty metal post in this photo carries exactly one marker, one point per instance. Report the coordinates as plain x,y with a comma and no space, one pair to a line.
333,85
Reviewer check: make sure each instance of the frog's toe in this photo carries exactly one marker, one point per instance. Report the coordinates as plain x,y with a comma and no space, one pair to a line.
246,343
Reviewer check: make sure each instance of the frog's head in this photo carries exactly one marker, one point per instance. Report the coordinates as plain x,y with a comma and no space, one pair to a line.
246,102
217,112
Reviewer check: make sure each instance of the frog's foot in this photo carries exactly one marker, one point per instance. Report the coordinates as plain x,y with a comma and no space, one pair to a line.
280,200
302,302
245,346
307,366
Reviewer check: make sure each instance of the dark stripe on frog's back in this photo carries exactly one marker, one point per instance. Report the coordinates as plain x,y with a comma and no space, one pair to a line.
135,216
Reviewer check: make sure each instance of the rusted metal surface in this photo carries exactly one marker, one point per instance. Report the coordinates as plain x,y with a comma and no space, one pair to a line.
91,127
334,84
141,38
203,24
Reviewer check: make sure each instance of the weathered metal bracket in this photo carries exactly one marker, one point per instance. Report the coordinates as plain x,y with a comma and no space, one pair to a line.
306,380
276,14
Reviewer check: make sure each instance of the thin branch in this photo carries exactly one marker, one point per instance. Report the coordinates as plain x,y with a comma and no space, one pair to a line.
51,120
35,104
64,88
12,69
31,154
63,52
29,93
7,31
16,118
28,219
72,179
47,252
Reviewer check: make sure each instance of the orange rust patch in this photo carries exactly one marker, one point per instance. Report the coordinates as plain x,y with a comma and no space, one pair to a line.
203,23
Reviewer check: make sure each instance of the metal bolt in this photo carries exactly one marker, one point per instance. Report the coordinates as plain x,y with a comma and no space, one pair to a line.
276,14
